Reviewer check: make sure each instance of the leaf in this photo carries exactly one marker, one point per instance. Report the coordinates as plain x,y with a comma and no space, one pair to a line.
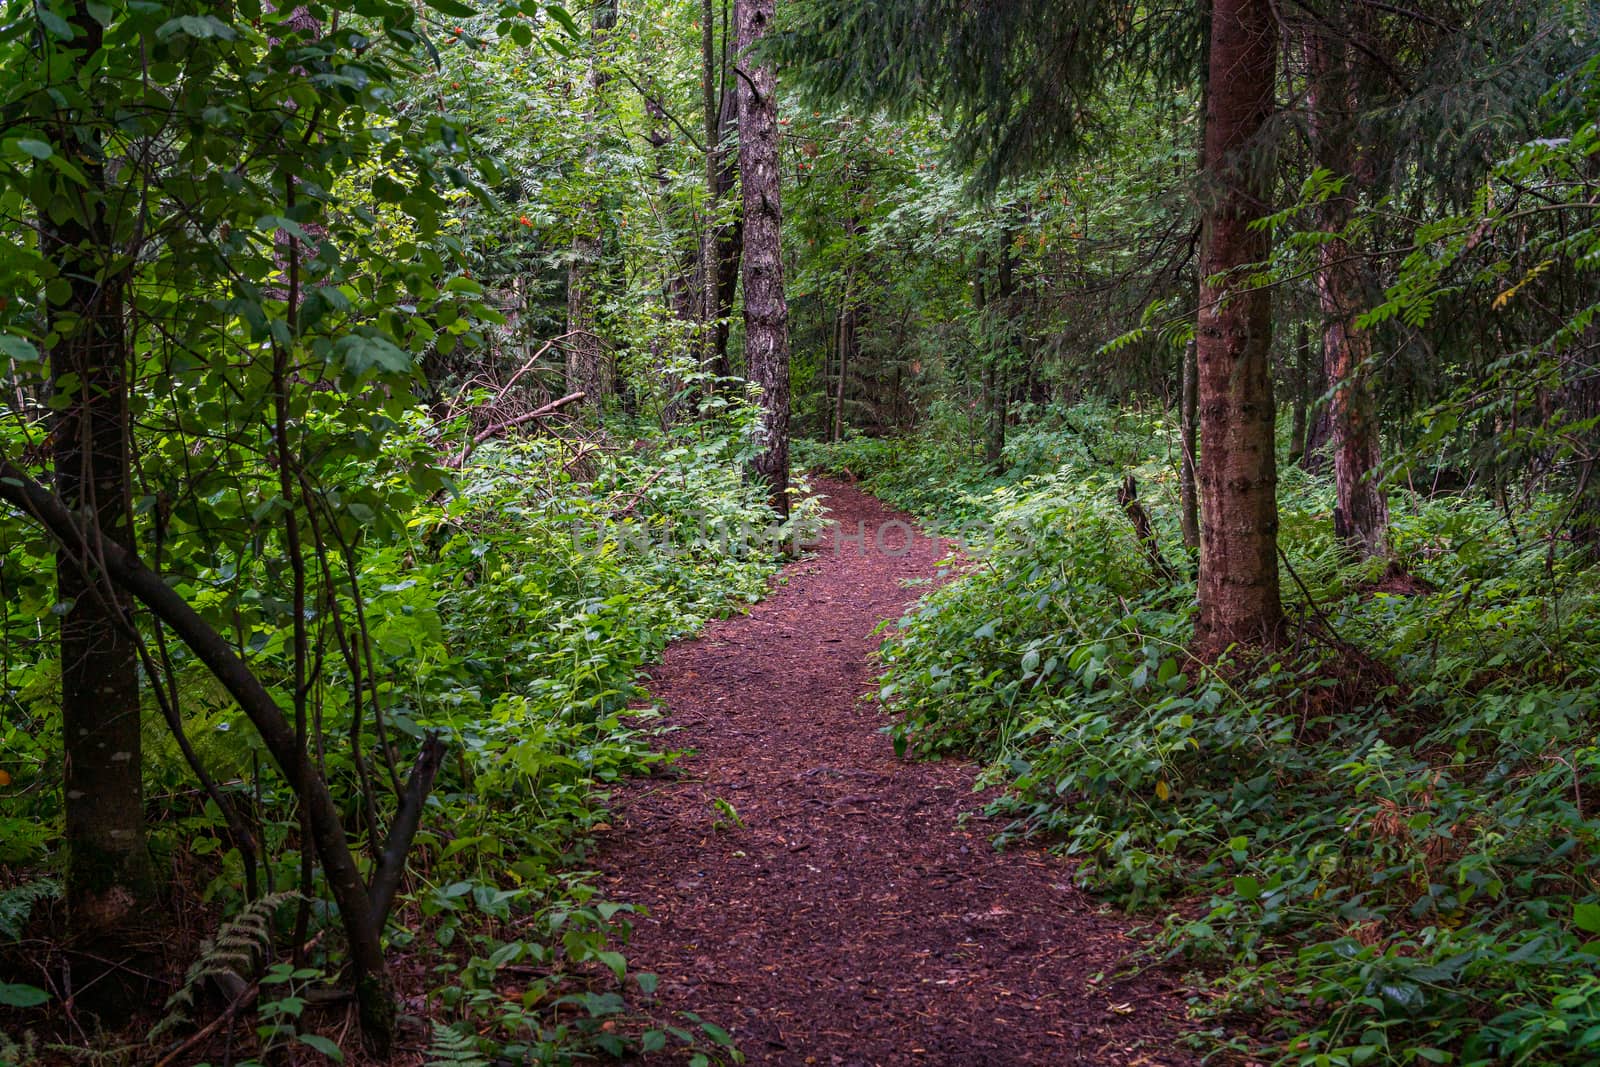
1403,995
18,349
453,8
561,15
1586,917
322,1045
22,996
201,27
1247,887
1163,791
362,353
273,223
55,25
716,1033
36,148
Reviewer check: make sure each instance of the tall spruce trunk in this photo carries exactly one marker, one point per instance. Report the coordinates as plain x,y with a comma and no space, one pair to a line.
997,383
1188,433
1580,396
1304,380
1189,367
678,294
1361,512
729,236
588,360
846,330
1238,587
766,310
710,259
109,873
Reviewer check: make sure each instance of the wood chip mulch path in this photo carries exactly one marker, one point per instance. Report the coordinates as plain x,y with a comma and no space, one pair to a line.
852,916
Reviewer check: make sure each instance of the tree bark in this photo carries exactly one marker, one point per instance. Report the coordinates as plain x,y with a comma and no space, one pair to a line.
1238,586
1581,397
846,328
1188,433
1001,342
588,369
1189,367
766,310
678,288
109,874
1361,511
1319,429
1302,380
710,258
729,235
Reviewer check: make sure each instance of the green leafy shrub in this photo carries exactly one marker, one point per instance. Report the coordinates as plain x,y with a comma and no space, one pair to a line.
514,617
1383,836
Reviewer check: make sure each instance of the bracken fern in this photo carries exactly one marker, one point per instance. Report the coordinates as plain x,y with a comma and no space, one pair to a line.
240,945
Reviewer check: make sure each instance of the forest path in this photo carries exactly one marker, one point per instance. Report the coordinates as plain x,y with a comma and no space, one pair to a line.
851,918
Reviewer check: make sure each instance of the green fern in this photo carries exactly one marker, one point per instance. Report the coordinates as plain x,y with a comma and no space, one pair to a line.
16,904
230,958
17,1053
451,1048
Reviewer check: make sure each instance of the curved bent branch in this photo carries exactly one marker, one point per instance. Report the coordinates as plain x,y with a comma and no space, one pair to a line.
128,571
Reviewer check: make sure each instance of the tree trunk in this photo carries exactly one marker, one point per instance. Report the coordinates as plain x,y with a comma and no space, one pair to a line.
1238,587
1579,398
1361,513
1189,388
847,344
994,403
710,260
729,235
678,289
1001,353
588,362
766,312
1188,499
109,874
1319,429
1302,379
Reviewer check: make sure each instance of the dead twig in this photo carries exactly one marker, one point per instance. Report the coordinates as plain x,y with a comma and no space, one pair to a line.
501,427
456,406
633,501
200,1036
1128,497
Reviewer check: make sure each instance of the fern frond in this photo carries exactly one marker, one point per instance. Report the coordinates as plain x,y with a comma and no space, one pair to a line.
16,904
451,1048
238,948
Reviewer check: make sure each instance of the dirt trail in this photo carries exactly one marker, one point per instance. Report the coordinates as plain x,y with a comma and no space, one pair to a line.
851,918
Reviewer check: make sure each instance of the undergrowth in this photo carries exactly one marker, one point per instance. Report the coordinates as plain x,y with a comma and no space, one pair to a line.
514,617
1377,846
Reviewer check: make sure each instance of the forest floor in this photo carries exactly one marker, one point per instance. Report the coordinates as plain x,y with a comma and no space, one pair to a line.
830,903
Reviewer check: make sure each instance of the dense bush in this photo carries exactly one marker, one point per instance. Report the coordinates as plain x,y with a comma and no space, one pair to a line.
513,617
1378,846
